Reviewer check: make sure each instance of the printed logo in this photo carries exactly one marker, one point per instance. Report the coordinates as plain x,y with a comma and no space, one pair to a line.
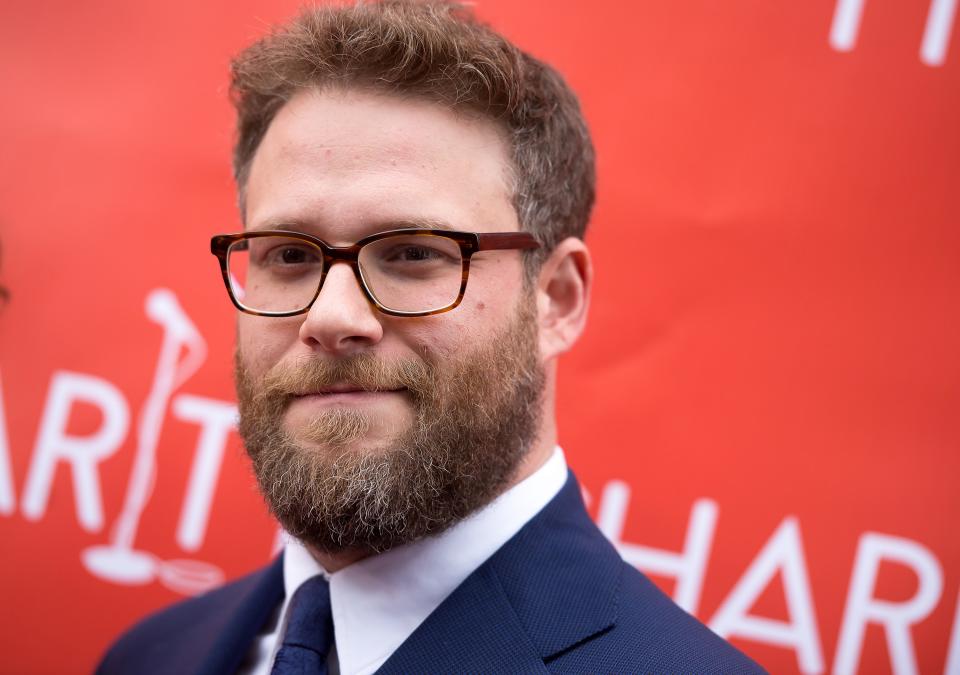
183,351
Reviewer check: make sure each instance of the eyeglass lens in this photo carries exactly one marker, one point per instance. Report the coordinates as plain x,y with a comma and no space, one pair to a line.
405,273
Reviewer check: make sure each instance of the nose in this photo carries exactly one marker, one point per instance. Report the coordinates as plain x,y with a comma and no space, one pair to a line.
341,320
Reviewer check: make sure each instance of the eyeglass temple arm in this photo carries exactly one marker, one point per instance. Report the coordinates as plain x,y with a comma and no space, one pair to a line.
493,241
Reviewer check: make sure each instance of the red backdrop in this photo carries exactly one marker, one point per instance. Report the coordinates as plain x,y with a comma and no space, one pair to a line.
764,409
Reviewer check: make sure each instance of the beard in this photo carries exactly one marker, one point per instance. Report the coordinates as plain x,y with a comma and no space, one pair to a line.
474,419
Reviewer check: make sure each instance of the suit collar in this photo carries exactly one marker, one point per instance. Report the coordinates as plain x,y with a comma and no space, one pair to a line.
561,574
553,585
378,602
236,626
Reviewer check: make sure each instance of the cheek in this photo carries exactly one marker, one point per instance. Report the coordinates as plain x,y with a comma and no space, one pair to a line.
435,338
262,342
459,331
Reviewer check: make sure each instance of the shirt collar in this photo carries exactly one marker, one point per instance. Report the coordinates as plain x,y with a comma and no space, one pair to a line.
379,601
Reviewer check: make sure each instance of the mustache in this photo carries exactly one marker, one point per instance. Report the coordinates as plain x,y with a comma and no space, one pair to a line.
362,371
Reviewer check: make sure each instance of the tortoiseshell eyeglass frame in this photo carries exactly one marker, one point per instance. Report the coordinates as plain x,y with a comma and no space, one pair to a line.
469,242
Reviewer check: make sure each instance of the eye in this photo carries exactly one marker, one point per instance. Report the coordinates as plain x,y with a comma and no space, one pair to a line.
416,251
412,253
411,256
290,254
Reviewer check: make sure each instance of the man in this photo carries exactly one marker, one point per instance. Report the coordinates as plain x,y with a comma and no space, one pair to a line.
414,191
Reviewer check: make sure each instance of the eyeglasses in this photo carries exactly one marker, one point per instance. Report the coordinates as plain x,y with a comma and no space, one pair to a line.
406,272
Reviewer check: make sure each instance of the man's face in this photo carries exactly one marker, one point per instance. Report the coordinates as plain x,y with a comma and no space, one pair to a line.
368,430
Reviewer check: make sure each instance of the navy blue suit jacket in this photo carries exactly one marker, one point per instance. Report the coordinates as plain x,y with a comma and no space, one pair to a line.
555,598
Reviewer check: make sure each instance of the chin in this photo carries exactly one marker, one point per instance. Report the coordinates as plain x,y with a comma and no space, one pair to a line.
353,436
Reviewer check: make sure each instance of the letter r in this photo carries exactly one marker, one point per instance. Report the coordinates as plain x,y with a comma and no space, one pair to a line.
82,453
896,617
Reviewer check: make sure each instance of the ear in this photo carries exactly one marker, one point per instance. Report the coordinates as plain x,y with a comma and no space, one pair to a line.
563,296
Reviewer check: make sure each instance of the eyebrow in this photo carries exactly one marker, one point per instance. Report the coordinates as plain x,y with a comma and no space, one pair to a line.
418,223
372,227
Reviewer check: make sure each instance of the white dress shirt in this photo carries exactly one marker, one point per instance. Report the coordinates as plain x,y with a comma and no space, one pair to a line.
380,601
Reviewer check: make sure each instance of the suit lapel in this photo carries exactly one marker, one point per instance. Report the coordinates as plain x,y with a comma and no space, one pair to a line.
221,643
553,585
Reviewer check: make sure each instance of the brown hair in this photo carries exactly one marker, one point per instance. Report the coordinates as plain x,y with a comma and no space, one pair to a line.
438,51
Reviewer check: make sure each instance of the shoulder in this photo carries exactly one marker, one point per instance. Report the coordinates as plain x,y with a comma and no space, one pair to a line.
652,630
588,610
177,638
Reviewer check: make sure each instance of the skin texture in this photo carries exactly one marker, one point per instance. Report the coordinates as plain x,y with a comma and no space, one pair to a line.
342,164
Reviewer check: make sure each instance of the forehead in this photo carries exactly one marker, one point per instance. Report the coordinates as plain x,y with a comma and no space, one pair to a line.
345,162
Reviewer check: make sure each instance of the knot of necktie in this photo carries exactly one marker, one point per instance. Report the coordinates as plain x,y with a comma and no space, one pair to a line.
309,634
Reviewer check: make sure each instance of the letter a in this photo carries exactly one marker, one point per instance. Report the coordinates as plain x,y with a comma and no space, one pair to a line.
784,553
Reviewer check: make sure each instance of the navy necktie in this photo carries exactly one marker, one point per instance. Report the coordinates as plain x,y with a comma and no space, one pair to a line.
309,633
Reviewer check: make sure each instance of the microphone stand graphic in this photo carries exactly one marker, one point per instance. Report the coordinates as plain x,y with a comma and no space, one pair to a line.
119,561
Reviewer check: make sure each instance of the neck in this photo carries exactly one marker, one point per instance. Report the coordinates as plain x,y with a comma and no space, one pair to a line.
334,562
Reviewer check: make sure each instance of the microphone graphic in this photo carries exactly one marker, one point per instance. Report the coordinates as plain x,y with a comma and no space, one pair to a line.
119,561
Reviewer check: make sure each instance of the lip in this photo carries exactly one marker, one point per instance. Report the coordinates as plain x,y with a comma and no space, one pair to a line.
346,389
355,393
348,396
